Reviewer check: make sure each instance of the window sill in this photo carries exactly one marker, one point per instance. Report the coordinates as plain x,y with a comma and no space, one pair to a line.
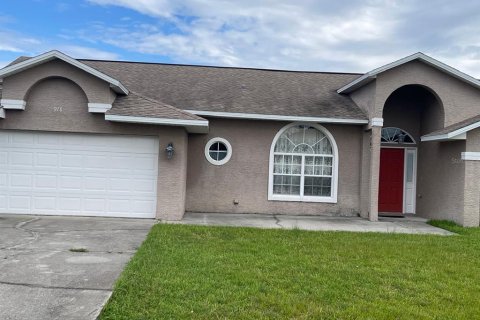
303,199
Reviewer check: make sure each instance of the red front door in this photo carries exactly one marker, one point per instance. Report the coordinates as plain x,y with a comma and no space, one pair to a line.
390,197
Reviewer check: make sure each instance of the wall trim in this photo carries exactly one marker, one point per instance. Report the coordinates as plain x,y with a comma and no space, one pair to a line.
194,126
376,122
99,107
13,104
254,116
471,156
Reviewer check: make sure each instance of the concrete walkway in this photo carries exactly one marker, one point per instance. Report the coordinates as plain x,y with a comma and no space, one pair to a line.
42,278
412,225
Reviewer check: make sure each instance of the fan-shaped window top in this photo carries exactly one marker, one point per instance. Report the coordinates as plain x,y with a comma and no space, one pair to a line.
396,135
303,164
303,139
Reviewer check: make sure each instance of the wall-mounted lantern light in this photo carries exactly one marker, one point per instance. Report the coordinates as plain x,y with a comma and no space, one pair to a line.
169,150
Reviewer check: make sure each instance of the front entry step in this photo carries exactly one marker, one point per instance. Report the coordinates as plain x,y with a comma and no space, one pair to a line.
391,214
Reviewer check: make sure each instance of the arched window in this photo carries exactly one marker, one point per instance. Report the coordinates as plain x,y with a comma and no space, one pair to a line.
303,164
396,135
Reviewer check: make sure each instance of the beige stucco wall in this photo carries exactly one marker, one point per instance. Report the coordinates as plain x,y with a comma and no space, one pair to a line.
460,100
17,86
444,183
471,212
57,104
245,177
440,179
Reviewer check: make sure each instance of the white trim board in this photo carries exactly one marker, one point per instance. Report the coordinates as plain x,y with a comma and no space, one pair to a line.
116,85
471,156
194,126
459,134
2,113
99,107
255,116
376,122
371,75
13,104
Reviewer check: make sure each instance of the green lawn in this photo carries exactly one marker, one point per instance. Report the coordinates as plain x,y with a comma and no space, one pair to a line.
185,272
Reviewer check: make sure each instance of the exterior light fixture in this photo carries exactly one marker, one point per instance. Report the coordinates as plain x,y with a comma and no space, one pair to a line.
169,150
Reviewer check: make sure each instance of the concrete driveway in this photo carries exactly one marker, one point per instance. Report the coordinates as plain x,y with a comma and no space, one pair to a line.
41,278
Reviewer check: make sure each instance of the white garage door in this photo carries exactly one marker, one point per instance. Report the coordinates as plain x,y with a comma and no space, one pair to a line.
78,174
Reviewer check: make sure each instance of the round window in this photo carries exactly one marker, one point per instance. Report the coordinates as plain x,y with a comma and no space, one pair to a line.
218,151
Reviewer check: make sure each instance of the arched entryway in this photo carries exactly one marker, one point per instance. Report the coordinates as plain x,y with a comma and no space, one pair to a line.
409,112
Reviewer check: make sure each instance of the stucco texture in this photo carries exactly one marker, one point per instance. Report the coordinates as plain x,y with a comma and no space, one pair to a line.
59,104
244,178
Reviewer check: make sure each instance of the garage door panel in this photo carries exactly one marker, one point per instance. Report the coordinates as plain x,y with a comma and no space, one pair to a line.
49,160
78,174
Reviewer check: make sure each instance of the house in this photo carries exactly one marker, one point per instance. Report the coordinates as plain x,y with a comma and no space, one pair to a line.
128,139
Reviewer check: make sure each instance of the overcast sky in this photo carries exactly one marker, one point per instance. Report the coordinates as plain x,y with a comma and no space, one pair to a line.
333,35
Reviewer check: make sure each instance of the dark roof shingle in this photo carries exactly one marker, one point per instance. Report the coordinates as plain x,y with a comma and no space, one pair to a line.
237,90
139,106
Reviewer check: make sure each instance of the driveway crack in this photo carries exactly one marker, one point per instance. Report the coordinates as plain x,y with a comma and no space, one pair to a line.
21,226
30,285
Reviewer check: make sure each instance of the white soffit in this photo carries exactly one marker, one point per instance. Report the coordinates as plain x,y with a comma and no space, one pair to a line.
116,85
371,75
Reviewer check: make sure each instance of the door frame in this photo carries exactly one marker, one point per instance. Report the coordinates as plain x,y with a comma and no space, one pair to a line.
413,150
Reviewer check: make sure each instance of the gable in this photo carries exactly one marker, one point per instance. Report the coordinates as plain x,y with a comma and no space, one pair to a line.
371,75
24,64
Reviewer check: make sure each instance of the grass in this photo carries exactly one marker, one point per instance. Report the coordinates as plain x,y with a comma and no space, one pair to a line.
193,272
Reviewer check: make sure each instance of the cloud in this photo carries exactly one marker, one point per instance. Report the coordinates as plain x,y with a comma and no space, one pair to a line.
275,34
305,34
19,44
87,52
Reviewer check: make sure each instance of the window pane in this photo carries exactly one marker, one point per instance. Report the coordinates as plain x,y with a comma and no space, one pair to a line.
288,185
284,145
222,146
303,148
409,167
317,186
213,155
221,155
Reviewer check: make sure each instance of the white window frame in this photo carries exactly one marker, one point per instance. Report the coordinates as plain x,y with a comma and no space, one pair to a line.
301,198
207,151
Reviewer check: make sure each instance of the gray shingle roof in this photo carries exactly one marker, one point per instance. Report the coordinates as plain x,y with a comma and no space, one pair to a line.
225,89
140,106
237,90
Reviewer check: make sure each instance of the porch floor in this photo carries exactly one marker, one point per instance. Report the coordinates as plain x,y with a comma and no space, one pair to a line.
409,224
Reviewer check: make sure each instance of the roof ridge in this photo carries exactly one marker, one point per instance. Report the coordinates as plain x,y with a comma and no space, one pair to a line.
221,67
167,105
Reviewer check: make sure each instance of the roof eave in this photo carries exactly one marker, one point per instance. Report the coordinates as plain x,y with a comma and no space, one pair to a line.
370,76
192,126
116,85
273,117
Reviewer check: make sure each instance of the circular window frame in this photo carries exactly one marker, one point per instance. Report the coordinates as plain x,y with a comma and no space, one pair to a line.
207,151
